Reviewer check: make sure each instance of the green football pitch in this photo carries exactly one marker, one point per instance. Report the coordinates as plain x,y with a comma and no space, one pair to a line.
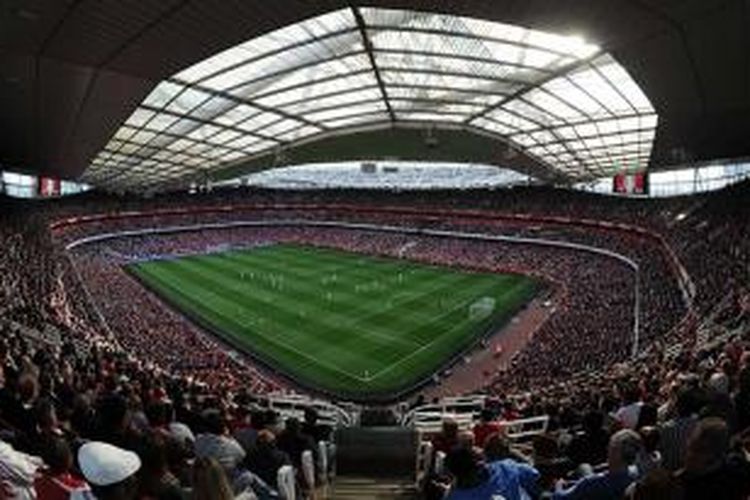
352,325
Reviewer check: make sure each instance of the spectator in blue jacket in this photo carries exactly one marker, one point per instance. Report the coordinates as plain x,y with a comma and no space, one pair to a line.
624,448
477,480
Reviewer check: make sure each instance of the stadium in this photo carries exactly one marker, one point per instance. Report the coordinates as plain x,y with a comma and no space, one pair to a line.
354,250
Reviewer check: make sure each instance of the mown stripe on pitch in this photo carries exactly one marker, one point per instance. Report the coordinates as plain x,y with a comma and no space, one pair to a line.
206,302
301,261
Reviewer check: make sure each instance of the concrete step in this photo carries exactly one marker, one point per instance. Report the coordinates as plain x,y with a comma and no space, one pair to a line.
367,488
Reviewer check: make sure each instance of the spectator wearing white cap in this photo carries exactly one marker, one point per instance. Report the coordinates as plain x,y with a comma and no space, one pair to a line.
111,471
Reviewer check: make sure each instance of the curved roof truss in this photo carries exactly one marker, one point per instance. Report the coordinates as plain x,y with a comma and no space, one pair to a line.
561,101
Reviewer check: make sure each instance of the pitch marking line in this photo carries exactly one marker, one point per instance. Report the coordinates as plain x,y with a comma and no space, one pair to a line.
439,337
434,284
277,340
274,340
241,286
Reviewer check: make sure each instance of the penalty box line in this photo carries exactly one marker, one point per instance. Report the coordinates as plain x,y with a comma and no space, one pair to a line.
439,337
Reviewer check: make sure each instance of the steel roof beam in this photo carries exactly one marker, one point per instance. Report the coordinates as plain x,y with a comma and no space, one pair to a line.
311,83
623,145
568,149
470,36
180,137
204,121
460,57
159,149
575,108
279,51
367,43
606,134
564,70
123,170
574,123
248,102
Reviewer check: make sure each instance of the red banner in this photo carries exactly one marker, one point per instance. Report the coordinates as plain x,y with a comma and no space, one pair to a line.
630,183
49,187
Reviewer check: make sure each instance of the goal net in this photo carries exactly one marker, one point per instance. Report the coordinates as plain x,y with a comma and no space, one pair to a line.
481,308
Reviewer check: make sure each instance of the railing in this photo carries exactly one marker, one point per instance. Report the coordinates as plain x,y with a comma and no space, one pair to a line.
295,406
423,213
524,428
518,431
462,409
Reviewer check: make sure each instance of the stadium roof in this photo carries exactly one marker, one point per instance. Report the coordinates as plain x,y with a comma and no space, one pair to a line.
74,72
556,98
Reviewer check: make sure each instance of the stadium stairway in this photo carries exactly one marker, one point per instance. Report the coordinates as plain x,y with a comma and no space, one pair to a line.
375,463
369,488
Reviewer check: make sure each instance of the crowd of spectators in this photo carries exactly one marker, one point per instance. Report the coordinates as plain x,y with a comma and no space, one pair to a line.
664,427
27,264
82,420
594,304
126,380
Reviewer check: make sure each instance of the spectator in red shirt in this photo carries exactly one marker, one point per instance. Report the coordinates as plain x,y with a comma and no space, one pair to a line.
448,437
57,482
486,427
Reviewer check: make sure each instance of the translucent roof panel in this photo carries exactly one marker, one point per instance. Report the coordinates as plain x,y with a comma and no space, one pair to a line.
556,98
